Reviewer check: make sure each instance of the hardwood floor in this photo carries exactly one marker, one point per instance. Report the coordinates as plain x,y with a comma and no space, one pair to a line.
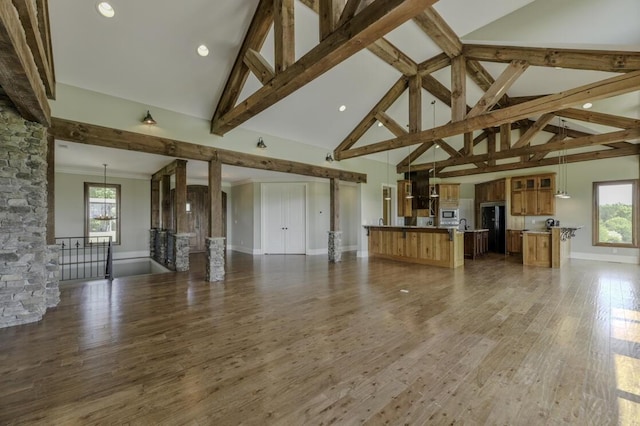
295,340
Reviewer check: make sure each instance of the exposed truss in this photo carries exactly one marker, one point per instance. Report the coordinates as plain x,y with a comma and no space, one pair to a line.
493,117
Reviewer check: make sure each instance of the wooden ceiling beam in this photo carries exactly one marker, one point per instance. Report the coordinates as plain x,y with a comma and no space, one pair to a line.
19,76
415,154
363,29
392,125
434,64
415,104
432,24
90,134
29,18
42,11
349,10
259,66
369,120
505,136
254,39
582,142
599,118
499,88
574,158
393,56
458,88
329,12
533,130
580,59
284,34
614,86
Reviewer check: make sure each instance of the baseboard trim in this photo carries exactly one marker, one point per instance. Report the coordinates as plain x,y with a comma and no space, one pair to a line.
362,253
634,260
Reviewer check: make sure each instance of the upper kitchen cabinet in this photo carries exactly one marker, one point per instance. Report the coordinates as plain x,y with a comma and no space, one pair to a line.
405,196
533,195
449,194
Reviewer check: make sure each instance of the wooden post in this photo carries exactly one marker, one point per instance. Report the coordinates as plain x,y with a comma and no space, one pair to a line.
284,34
215,195
180,202
166,201
458,88
415,104
334,224
155,203
51,193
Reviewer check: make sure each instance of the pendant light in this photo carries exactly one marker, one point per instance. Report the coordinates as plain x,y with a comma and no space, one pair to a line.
562,166
410,193
387,196
105,211
565,193
148,119
434,193
558,193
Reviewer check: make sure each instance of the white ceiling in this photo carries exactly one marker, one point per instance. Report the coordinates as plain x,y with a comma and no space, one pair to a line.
147,53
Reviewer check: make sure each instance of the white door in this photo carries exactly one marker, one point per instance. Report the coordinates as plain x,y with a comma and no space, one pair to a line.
284,224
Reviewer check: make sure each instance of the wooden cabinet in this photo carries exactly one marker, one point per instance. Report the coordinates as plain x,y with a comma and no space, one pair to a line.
533,195
404,203
449,194
514,241
476,243
536,249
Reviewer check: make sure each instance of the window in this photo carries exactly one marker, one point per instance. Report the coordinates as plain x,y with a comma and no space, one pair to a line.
615,213
102,201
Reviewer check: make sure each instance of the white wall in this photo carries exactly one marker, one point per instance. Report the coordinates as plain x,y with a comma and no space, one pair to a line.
241,218
135,211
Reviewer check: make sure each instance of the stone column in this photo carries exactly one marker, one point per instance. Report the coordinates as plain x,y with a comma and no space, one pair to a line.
335,246
181,252
53,276
153,234
161,251
23,218
215,259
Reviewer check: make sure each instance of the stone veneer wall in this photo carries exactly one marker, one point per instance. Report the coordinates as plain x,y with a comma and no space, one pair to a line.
24,296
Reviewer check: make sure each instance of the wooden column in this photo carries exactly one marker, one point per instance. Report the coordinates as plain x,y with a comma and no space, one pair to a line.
215,195
505,136
334,222
155,203
51,193
180,202
458,88
166,202
491,148
415,103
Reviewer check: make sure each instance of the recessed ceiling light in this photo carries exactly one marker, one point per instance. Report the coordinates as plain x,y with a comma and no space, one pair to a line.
587,105
342,108
380,124
106,9
203,50
558,68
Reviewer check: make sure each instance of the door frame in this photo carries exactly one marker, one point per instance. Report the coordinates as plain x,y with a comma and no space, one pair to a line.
263,216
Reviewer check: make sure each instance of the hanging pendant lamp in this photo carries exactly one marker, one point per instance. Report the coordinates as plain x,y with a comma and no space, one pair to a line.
105,211
387,197
410,193
434,193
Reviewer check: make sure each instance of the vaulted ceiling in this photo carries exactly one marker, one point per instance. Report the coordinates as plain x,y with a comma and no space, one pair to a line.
147,53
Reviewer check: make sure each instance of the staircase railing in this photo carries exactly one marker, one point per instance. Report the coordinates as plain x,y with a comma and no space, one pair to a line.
85,257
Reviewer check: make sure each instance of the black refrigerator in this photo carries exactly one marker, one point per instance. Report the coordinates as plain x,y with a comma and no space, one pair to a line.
494,219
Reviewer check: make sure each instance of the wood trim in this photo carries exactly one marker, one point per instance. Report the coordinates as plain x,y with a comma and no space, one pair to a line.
28,16
621,84
363,29
284,34
635,213
19,76
499,88
254,39
383,104
91,134
574,158
259,66
580,59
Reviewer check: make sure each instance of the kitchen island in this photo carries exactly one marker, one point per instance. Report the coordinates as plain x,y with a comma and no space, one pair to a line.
550,248
425,245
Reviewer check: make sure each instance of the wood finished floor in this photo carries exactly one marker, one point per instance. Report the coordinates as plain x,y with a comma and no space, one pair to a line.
295,340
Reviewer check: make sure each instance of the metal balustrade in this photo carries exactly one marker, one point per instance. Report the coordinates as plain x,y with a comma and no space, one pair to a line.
85,257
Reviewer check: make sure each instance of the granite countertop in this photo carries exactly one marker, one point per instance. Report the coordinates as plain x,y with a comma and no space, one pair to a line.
476,230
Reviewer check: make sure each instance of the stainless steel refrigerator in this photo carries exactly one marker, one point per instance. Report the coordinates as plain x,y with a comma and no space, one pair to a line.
494,219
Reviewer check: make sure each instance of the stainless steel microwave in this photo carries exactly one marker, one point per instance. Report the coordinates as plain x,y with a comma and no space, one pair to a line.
449,217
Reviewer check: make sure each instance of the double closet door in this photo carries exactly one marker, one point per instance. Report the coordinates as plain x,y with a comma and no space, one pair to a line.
284,209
